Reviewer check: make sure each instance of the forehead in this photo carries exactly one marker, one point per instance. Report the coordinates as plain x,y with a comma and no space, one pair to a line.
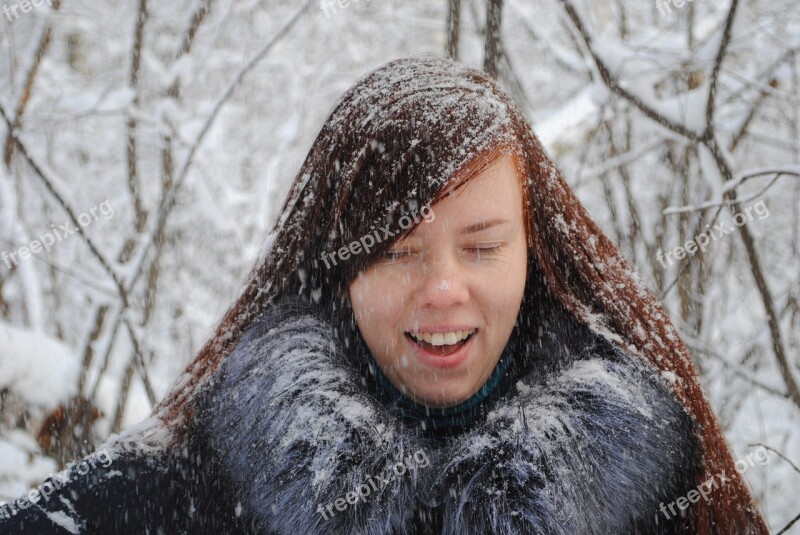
497,187
493,193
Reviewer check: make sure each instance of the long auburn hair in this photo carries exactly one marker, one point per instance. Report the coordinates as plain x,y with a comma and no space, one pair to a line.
395,142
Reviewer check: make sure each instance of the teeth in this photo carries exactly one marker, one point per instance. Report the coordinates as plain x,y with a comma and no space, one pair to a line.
441,339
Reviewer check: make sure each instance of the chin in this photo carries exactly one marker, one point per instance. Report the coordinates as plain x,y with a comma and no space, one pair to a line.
448,399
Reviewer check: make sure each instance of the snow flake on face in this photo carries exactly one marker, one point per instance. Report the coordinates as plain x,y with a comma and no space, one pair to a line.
443,285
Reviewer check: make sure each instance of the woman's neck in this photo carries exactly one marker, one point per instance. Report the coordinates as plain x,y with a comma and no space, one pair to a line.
433,419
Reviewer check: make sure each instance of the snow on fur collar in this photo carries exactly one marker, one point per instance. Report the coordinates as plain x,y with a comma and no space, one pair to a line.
587,441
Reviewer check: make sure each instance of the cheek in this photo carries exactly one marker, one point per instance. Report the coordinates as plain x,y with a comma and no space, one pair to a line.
377,310
518,272
506,283
362,301
373,296
502,293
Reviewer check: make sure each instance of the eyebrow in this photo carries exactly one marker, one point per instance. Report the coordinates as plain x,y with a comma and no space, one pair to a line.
482,225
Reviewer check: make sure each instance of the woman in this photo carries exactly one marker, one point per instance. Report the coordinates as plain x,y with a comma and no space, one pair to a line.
437,339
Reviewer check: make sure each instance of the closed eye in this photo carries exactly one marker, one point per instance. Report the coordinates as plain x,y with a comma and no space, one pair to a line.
396,254
485,251
399,254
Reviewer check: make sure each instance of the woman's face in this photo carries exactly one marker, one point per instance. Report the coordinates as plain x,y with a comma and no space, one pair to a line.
438,310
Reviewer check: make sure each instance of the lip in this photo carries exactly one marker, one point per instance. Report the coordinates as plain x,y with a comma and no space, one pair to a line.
437,361
441,328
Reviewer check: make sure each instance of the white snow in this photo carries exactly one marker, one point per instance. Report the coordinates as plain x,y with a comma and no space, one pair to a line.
21,464
61,519
36,367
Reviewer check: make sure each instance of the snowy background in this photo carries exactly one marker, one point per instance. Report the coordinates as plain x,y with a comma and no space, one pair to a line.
149,126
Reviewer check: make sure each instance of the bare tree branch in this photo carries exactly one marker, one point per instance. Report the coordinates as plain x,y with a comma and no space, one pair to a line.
611,82
61,201
791,523
714,83
709,140
732,185
167,178
38,55
131,145
188,40
169,200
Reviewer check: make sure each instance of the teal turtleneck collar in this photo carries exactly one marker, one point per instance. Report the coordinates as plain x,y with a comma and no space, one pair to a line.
457,416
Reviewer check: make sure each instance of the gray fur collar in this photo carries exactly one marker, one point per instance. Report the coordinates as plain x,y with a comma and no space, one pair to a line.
588,441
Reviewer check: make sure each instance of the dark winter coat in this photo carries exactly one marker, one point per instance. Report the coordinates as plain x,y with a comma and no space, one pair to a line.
289,439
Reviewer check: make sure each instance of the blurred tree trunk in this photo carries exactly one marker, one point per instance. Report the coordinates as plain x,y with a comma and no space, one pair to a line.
453,27
492,46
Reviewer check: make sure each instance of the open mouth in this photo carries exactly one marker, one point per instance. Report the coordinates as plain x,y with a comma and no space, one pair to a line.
441,344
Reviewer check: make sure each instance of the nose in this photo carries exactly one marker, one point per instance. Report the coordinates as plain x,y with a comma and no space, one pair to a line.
444,281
